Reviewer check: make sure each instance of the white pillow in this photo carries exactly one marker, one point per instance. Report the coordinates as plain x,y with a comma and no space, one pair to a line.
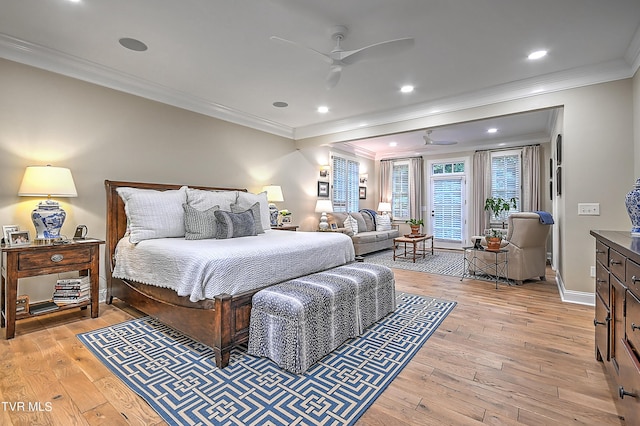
154,214
247,199
383,222
351,225
203,200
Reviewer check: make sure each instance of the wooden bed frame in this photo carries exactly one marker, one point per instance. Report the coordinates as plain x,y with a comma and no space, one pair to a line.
221,323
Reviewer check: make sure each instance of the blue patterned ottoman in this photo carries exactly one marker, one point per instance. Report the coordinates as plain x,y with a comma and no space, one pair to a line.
298,322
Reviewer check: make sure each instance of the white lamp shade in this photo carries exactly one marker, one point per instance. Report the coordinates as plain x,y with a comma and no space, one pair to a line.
324,206
46,181
384,207
274,193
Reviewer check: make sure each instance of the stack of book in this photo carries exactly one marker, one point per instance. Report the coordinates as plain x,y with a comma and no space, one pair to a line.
72,291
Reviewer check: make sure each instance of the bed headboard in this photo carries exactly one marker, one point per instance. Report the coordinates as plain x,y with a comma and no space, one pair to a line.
116,218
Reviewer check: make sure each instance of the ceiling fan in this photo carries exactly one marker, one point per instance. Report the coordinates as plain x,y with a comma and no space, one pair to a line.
429,141
338,57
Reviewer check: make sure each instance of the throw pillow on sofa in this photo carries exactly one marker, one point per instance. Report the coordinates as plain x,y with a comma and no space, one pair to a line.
351,225
383,222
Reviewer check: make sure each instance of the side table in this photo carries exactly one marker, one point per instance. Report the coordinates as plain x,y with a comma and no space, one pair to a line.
472,264
416,248
33,260
285,227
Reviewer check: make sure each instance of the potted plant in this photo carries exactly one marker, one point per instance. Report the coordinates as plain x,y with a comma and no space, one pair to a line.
498,205
493,237
415,225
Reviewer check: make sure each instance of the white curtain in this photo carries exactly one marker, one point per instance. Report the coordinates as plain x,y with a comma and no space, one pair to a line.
416,182
386,180
481,190
530,179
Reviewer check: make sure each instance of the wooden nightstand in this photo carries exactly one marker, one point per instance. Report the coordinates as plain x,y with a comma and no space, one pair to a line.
286,227
33,260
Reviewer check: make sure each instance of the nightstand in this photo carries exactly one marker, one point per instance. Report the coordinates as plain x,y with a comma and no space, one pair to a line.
286,227
33,260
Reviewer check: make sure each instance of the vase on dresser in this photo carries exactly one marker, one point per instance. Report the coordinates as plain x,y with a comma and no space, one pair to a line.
632,201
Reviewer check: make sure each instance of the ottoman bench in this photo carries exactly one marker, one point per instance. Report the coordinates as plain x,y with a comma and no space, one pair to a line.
298,322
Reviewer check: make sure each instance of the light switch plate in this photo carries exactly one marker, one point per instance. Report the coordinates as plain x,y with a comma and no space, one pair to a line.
588,209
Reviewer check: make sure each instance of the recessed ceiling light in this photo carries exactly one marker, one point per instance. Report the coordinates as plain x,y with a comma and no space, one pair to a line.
537,54
323,109
406,89
492,130
393,143
133,44
280,104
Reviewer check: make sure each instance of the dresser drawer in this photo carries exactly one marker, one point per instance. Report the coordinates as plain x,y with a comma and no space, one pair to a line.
602,283
617,264
601,323
45,259
602,253
633,321
629,386
633,277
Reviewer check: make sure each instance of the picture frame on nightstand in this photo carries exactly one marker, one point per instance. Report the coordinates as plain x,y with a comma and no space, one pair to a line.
19,238
5,232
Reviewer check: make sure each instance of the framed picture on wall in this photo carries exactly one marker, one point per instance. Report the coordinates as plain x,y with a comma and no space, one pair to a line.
363,192
323,189
559,181
559,150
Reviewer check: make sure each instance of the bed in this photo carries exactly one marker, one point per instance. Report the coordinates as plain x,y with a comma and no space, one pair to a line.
209,298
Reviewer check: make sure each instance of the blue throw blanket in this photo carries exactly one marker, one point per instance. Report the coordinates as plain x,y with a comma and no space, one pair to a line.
372,212
545,218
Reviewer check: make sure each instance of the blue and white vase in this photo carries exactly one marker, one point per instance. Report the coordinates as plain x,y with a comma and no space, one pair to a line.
632,201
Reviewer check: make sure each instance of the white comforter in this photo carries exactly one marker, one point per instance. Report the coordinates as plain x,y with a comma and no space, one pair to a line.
202,269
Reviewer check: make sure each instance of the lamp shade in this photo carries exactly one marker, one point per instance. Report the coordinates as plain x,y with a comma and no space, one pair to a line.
324,206
274,193
47,181
384,207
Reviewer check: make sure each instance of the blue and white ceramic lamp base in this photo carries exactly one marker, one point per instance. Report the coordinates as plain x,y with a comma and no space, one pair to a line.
632,201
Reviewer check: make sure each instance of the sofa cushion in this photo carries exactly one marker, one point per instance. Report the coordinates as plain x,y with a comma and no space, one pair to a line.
383,223
365,237
351,224
337,217
368,220
362,225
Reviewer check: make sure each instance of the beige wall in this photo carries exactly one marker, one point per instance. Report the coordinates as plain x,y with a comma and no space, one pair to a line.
101,134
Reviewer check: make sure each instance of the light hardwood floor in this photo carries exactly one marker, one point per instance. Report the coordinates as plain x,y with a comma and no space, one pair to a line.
516,355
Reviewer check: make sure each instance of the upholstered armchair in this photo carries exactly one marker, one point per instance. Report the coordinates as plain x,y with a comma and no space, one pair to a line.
526,242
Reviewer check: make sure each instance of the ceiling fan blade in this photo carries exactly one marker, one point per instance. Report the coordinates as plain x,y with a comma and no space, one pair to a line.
324,56
334,76
374,51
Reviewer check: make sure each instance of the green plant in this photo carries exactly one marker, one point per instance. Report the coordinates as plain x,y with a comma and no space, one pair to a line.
415,222
494,233
498,205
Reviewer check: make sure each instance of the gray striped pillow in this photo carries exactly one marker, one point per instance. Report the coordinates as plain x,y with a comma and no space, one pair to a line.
233,225
199,225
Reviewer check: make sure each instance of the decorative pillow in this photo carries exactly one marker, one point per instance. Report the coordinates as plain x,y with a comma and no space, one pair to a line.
362,225
368,220
154,214
247,199
233,225
383,222
337,217
255,210
199,225
203,200
351,225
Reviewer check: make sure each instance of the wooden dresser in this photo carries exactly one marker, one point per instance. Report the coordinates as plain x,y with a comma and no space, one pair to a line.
617,317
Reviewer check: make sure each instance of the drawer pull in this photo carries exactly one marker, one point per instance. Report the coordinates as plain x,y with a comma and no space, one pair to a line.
57,257
600,251
597,323
600,280
624,393
634,279
634,327
615,262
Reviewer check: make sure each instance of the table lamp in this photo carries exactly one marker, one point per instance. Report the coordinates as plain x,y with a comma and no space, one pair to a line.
274,195
324,207
384,207
47,181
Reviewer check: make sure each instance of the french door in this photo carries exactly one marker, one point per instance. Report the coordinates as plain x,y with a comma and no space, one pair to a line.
447,203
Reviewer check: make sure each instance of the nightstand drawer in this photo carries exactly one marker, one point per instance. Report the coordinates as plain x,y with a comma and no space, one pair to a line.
55,257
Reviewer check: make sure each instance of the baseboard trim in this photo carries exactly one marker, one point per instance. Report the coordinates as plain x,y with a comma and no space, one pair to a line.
572,296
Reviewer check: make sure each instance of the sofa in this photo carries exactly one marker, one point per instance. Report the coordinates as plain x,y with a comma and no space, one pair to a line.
365,236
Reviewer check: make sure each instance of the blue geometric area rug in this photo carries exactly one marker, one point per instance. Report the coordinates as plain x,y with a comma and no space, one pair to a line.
178,377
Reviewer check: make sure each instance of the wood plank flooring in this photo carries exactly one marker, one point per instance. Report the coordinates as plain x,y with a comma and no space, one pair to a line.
516,355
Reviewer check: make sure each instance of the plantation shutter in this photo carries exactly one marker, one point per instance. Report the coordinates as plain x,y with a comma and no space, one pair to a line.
506,178
400,191
447,206
346,180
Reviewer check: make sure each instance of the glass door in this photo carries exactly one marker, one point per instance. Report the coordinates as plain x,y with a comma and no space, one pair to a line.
448,203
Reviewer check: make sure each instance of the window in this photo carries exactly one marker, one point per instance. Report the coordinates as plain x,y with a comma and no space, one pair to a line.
400,190
346,180
506,169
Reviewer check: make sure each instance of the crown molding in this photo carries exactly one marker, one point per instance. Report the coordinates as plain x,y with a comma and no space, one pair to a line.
632,55
71,66
548,83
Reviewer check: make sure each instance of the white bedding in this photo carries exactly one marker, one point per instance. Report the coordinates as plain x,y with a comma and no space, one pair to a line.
202,269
